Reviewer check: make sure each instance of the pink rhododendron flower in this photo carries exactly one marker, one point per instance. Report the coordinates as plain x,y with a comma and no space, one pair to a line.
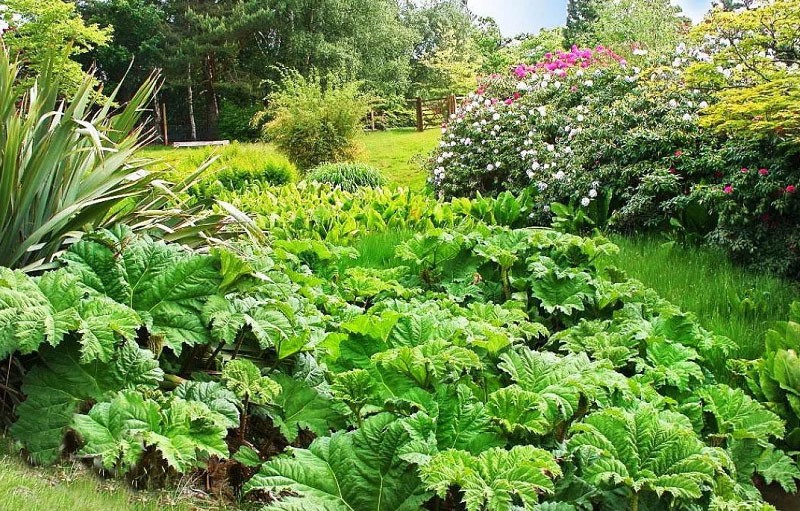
678,153
791,189
744,170
728,189
763,172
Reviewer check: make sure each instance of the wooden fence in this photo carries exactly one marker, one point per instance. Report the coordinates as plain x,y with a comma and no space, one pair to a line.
434,112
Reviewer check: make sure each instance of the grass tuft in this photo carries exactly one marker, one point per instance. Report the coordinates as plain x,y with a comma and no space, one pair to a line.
727,299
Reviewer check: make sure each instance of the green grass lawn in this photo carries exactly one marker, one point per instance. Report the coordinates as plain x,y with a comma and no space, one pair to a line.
74,488
398,154
727,299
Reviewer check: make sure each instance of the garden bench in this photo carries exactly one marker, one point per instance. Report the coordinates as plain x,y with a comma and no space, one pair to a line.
201,143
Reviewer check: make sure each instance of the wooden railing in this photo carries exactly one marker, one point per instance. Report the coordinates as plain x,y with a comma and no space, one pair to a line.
434,112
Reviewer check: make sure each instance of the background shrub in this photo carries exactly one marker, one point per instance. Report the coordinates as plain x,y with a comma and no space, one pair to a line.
585,126
347,176
314,121
273,170
234,122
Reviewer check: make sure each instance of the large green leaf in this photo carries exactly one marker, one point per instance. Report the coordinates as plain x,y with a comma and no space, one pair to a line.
301,406
559,381
57,387
165,284
493,480
46,309
112,429
642,450
183,432
222,402
355,471
737,414
519,411
27,318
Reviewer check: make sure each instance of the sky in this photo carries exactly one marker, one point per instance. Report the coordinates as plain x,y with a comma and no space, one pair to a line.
517,16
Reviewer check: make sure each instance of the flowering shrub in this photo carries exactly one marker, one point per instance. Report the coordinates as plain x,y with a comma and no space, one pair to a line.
585,125
755,206
574,127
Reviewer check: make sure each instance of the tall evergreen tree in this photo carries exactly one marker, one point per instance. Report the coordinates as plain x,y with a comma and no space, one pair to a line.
581,17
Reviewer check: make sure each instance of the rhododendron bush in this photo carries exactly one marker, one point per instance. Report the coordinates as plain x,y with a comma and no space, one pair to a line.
574,127
587,128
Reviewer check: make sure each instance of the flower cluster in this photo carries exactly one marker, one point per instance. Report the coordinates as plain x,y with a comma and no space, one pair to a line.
554,127
587,128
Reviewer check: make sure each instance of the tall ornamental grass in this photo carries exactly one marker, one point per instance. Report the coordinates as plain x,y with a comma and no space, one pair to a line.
69,165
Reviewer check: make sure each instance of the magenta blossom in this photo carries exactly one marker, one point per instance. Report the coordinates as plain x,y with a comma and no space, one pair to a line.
728,189
791,189
763,172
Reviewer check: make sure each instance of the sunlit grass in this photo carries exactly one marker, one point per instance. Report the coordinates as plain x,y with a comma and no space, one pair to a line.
727,299
72,487
398,154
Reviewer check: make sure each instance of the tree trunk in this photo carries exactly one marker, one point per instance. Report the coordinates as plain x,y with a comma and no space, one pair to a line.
190,98
212,105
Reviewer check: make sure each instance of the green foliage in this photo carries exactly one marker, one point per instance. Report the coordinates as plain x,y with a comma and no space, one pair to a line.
45,194
365,211
300,406
774,378
643,451
347,176
165,284
450,49
234,122
399,382
244,379
650,25
46,35
60,386
269,169
46,309
360,470
756,50
495,479
313,122
119,431
581,17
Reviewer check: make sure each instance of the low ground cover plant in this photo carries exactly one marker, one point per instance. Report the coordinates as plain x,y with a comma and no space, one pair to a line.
347,176
485,367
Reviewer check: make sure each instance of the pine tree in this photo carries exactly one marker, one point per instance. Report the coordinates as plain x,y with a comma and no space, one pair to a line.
581,16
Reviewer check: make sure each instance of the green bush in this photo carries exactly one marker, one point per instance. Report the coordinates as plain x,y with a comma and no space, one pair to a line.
347,176
235,167
234,122
69,165
313,122
271,169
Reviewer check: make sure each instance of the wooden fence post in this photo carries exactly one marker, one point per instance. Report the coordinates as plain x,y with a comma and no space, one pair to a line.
420,120
451,105
164,122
